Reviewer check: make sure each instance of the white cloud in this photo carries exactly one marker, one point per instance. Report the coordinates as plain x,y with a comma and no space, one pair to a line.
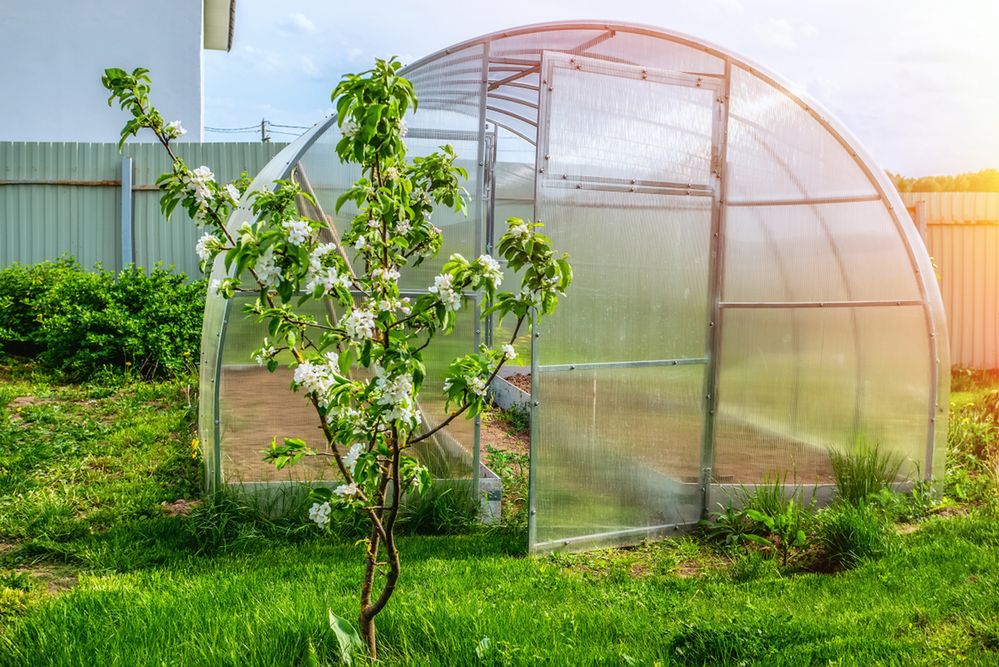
776,32
298,22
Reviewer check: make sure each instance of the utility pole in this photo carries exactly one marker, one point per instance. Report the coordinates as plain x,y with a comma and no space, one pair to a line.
264,137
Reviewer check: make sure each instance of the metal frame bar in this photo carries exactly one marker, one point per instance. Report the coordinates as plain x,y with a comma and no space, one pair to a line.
814,201
716,285
602,539
687,361
620,185
892,303
480,223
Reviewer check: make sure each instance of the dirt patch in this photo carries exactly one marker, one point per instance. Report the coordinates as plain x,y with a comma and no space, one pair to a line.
496,434
19,402
257,407
56,578
179,507
521,381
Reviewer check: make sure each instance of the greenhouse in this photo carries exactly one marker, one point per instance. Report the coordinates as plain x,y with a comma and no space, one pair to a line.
750,293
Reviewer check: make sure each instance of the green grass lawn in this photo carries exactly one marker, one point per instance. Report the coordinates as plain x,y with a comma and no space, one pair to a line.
95,571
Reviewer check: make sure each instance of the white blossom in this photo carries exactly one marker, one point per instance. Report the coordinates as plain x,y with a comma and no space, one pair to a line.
403,226
298,231
318,378
350,129
476,384
173,130
232,191
265,353
491,270
267,269
346,490
350,458
391,173
390,274
207,247
326,276
444,289
508,351
518,230
360,243
420,196
199,180
397,393
403,128
360,324
320,513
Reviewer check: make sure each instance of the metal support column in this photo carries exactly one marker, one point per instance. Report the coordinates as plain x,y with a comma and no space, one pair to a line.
715,285
127,219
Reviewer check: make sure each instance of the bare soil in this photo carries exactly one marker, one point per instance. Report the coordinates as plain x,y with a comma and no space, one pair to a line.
521,381
258,407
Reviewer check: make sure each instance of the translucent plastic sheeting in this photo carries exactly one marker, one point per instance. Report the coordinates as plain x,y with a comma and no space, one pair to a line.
450,453
608,121
830,252
640,266
795,383
620,367
617,453
257,406
777,150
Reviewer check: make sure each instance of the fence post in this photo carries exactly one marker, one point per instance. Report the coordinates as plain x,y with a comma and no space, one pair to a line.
127,221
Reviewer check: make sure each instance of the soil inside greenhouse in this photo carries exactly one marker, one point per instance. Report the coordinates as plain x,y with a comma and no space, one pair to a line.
258,406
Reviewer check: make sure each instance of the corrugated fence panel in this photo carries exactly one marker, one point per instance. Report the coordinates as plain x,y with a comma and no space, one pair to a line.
65,198
43,220
956,207
966,257
963,240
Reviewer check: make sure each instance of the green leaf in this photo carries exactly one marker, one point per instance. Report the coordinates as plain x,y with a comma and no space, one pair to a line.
347,638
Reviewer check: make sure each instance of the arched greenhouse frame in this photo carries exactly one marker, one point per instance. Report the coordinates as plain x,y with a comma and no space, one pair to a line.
750,291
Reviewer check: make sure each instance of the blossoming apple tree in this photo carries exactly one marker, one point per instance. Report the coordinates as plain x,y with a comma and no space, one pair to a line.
364,370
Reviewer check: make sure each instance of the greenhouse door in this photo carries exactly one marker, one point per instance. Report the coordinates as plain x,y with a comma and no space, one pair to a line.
625,184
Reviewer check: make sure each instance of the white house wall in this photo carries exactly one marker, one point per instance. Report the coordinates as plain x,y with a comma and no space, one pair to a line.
56,50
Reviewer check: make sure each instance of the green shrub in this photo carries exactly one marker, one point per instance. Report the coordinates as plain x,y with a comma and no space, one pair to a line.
849,534
20,287
864,471
79,323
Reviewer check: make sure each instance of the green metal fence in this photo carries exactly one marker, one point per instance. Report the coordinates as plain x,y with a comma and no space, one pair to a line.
98,205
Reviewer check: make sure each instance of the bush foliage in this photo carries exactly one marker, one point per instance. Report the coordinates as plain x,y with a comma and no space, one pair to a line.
79,323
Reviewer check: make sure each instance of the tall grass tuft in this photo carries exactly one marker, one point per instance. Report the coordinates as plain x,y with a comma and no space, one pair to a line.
864,471
849,534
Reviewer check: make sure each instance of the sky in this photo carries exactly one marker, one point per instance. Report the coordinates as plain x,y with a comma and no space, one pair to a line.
916,81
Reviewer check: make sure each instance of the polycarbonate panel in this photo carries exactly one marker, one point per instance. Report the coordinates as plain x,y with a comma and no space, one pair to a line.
257,406
831,252
450,453
610,121
777,150
617,43
211,337
795,383
617,453
640,266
